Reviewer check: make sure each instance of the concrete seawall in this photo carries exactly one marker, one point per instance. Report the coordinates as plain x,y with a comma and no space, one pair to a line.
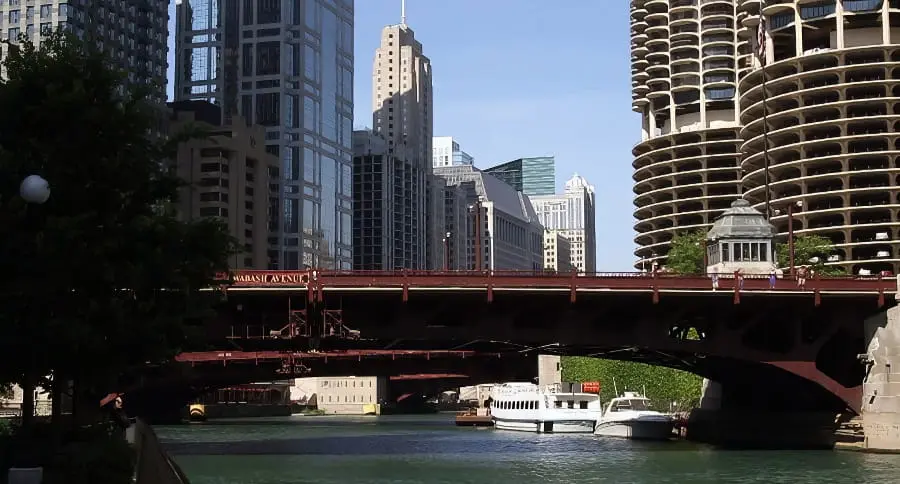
245,410
154,465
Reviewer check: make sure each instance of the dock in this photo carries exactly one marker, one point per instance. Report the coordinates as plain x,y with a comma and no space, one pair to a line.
474,417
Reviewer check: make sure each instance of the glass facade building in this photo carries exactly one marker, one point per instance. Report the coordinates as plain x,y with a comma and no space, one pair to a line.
531,176
288,66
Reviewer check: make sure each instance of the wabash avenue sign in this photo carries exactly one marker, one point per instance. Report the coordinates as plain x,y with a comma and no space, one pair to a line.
269,278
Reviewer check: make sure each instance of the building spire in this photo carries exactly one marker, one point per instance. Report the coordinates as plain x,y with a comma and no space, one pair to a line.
403,13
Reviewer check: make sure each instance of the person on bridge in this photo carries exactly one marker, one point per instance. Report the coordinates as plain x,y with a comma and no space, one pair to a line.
739,279
801,277
773,278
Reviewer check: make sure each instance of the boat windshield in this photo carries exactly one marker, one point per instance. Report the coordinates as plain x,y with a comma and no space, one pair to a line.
630,404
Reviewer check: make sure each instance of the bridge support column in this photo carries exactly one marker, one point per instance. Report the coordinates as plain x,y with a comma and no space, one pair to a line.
549,370
734,416
748,429
711,395
881,387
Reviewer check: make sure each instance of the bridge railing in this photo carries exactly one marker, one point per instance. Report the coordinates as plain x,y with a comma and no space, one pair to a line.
264,356
609,280
313,280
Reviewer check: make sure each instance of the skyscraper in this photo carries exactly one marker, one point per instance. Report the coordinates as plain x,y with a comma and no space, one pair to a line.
832,123
402,115
684,76
572,214
133,33
821,129
231,172
531,176
287,66
446,152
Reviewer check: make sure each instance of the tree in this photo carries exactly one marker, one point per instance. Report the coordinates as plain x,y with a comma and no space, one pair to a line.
102,278
811,250
663,385
686,253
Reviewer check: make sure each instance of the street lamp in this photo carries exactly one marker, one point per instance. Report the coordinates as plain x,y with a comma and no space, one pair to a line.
790,216
447,251
34,189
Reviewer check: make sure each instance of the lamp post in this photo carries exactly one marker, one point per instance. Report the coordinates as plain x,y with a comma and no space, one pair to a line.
790,216
705,248
447,251
34,190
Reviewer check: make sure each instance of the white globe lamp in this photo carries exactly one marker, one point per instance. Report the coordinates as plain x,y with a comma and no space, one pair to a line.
34,189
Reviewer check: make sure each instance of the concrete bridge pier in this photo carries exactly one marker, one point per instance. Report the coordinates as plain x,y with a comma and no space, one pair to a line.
711,395
739,414
881,387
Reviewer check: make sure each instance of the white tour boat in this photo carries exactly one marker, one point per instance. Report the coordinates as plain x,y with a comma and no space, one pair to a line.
630,417
530,408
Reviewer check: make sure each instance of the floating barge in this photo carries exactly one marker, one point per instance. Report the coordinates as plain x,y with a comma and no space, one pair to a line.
474,417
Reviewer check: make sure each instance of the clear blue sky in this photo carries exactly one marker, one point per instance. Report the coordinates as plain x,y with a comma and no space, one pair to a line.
517,78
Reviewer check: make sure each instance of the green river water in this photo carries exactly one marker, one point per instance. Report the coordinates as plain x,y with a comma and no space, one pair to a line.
430,449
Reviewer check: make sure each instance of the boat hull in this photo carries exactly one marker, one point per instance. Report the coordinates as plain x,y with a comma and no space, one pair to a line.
636,429
546,426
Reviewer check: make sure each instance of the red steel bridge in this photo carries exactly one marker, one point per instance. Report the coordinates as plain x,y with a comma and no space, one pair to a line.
774,350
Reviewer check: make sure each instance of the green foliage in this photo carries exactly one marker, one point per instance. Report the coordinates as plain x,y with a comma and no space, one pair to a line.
806,248
106,277
663,385
686,253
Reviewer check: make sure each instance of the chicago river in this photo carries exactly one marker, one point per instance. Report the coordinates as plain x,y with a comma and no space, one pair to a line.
430,449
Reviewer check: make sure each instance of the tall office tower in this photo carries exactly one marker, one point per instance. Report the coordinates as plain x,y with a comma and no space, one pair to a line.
531,176
457,224
573,215
373,214
287,66
435,188
446,152
228,177
402,114
133,33
833,118
684,77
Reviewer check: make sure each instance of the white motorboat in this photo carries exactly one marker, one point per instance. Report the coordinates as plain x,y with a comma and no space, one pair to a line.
630,417
529,408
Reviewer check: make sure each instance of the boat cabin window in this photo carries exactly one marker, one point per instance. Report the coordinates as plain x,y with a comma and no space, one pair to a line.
558,403
571,403
630,404
582,404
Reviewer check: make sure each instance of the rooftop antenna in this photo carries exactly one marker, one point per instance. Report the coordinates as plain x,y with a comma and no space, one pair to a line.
403,13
